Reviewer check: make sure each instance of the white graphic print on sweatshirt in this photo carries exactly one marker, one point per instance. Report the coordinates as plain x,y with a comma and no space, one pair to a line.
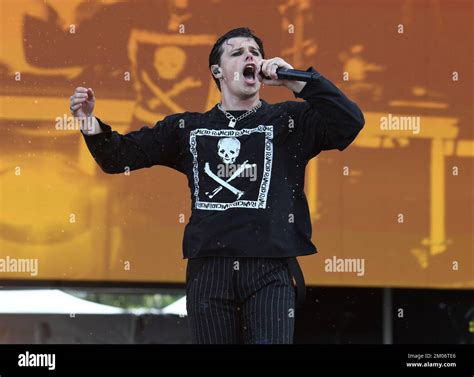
235,152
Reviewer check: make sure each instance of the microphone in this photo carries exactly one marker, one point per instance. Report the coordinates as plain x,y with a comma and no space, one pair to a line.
295,75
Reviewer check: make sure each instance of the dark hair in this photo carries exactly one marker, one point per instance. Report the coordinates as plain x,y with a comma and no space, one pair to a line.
217,50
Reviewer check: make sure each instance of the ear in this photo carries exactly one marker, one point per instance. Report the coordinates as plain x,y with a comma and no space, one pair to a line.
216,71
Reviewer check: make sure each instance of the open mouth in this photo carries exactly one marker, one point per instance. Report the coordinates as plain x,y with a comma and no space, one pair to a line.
249,73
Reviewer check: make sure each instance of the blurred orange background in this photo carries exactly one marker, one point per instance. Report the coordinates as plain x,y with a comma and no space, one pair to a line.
400,200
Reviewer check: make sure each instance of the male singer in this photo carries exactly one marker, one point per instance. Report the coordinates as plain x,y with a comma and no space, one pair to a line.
245,162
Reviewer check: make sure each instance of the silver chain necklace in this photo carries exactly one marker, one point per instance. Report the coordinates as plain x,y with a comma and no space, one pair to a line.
233,120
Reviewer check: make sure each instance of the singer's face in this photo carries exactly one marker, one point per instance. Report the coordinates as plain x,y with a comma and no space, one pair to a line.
240,64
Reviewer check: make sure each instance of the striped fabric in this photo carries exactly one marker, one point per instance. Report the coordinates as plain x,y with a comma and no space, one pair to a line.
240,300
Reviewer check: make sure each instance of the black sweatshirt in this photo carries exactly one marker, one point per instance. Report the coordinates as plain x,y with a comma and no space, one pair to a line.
246,182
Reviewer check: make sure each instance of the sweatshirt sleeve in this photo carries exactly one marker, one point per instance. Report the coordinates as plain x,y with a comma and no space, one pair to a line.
158,145
327,119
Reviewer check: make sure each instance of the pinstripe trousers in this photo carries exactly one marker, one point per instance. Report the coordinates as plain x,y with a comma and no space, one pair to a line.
232,300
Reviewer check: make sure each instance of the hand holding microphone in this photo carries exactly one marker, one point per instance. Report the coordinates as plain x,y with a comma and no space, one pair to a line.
277,72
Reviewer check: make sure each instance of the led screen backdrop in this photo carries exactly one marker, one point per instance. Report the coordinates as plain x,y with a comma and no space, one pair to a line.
399,200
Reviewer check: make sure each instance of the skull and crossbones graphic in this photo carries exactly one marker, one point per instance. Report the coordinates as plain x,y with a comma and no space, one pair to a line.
228,149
